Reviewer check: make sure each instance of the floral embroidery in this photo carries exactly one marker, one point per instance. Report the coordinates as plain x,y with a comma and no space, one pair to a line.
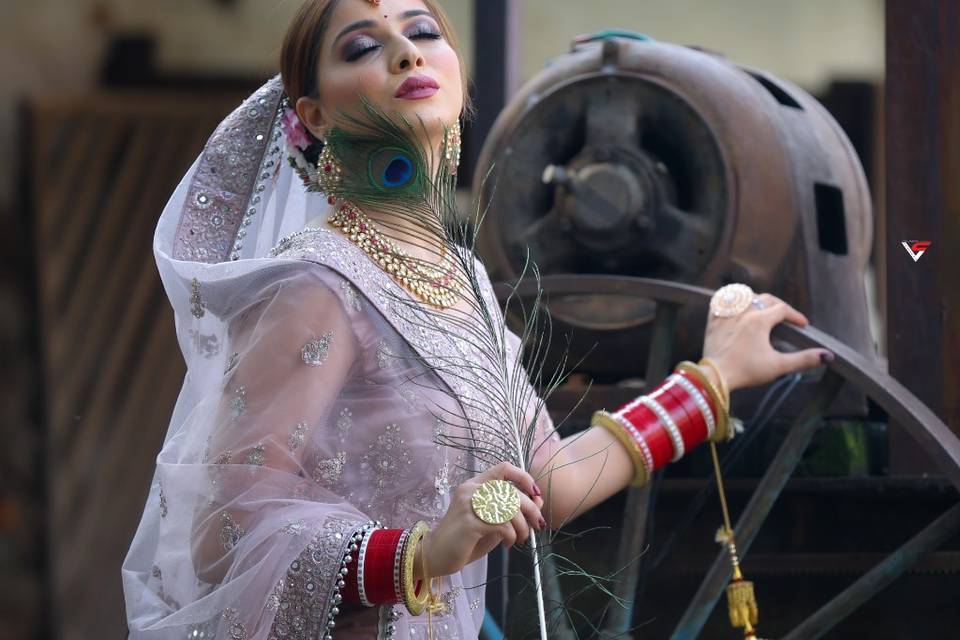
239,401
314,352
328,471
350,295
224,458
196,301
256,456
273,600
385,355
296,437
163,503
230,531
388,457
344,424
235,628
294,528
231,363
209,346
156,573
309,598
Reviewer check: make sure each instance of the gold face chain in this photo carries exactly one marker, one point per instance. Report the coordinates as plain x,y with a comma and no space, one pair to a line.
435,285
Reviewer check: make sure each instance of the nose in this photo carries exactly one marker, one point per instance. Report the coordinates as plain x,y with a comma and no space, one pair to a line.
406,57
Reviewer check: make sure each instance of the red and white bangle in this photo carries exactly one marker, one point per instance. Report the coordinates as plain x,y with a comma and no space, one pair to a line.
373,583
701,401
661,426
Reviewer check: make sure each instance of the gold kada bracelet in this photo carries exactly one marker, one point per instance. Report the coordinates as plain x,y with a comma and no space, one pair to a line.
415,603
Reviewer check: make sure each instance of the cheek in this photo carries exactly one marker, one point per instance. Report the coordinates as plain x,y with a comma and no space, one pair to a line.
447,66
342,88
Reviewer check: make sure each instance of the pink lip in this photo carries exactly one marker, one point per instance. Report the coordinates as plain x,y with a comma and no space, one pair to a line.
417,87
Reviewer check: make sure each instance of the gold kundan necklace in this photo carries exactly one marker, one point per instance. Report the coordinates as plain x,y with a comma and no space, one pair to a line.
435,285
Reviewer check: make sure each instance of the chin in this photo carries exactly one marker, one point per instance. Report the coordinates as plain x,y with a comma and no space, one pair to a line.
431,114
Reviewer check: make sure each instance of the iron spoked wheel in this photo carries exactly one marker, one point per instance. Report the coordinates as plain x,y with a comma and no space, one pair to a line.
848,369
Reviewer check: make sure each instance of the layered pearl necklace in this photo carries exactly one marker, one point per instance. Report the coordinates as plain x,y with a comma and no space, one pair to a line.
435,285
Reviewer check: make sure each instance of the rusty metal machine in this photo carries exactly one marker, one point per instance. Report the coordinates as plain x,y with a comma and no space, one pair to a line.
642,175
633,157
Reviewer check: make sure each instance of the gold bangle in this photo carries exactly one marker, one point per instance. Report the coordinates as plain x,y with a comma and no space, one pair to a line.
415,603
720,434
724,389
606,421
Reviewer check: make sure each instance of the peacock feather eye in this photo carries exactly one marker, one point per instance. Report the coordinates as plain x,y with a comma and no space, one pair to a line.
392,168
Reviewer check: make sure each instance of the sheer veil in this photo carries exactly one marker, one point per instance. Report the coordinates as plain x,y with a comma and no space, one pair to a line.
184,576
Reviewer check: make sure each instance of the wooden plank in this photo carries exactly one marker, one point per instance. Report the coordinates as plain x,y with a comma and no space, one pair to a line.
922,122
111,362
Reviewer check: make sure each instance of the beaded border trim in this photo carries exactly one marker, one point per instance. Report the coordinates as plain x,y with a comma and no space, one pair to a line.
397,564
336,598
360,569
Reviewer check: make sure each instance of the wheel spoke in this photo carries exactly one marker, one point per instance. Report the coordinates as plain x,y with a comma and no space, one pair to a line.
780,470
639,499
874,581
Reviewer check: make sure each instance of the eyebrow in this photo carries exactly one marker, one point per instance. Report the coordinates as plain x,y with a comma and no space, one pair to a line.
364,24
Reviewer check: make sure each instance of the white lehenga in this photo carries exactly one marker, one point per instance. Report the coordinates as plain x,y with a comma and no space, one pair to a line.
308,410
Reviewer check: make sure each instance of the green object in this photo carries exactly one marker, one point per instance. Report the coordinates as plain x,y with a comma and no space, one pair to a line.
840,449
605,34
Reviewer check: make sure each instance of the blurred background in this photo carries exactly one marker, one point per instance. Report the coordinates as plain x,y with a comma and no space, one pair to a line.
105,103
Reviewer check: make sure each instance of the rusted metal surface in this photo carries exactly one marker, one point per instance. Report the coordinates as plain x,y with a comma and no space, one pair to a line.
650,159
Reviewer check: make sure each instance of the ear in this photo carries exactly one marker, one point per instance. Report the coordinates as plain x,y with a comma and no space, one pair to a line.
311,115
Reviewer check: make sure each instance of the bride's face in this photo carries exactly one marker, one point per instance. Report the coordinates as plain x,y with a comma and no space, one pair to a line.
395,55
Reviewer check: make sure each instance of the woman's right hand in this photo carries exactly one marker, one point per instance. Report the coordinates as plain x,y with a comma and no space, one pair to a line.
461,537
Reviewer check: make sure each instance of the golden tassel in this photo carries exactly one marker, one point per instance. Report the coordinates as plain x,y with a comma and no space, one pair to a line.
741,600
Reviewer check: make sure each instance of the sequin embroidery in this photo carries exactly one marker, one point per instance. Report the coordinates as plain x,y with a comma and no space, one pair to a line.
197,308
328,471
256,456
296,438
314,352
230,531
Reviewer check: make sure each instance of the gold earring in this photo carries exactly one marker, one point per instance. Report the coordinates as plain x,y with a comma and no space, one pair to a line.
328,169
452,147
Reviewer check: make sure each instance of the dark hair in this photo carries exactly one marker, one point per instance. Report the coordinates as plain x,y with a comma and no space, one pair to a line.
301,50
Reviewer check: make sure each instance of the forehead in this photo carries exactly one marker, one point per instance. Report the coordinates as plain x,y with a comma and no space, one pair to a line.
347,11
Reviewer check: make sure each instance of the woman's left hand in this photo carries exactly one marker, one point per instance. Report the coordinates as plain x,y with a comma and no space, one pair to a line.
740,344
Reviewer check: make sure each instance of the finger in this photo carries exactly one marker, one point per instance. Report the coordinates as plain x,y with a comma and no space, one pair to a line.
531,513
800,360
508,533
519,477
521,528
789,313
780,312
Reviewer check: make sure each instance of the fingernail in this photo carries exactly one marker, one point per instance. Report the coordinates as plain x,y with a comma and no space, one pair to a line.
543,523
826,356
536,490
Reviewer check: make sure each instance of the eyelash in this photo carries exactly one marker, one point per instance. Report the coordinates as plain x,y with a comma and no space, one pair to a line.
430,35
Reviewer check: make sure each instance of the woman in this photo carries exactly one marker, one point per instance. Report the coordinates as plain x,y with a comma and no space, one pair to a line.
309,480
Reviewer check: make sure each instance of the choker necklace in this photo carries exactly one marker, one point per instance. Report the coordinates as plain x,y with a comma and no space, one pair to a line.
435,285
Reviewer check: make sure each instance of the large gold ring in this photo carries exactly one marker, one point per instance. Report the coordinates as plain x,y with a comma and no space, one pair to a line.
495,501
733,299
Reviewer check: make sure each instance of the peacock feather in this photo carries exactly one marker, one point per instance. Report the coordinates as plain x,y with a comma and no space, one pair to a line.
387,170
